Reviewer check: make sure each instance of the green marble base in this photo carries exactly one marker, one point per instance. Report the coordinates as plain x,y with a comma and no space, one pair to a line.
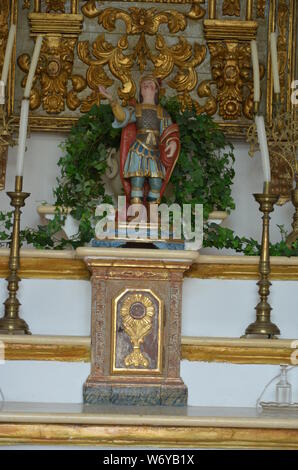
135,395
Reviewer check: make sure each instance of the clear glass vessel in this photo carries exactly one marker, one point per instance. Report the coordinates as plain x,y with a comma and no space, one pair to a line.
283,387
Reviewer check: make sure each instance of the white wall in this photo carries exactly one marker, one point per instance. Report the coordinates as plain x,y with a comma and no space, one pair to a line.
41,170
209,384
211,307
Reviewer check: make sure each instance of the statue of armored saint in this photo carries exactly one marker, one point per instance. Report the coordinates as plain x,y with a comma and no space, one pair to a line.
150,143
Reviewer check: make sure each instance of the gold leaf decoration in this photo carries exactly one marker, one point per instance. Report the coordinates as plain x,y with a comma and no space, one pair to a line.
141,22
119,64
231,7
53,72
231,73
196,12
184,57
136,313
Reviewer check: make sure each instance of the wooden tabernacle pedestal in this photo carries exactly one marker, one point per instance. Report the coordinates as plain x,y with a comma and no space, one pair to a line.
136,326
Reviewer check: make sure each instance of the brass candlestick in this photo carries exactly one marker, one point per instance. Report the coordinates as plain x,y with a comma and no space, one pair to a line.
11,323
263,325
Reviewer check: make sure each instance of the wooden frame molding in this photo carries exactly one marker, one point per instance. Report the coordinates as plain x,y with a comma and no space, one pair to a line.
200,349
237,351
157,436
46,264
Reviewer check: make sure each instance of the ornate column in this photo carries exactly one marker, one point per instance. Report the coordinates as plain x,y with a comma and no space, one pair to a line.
136,326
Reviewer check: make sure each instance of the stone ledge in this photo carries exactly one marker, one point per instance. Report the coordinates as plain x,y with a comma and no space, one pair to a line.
194,427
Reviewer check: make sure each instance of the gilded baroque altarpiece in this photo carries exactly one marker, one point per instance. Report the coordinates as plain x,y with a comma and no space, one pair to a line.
199,49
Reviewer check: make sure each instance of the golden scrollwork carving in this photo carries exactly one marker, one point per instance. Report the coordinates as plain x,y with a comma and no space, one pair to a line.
136,313
230,61
231,7
261,4
119,64
141,22
53,73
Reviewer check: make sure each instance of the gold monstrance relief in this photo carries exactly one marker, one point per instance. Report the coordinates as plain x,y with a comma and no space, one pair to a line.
137,312
136,328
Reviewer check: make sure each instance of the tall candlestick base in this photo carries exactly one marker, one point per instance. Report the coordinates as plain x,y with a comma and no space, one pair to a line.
294,234
11,323
263,325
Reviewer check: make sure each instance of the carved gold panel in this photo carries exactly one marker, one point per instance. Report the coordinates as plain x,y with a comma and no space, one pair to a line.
137,332
199,49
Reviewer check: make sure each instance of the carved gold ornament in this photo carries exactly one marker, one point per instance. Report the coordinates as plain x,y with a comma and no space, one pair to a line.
159,37
138,22
51,88
53,73
230,69
231,7
137,312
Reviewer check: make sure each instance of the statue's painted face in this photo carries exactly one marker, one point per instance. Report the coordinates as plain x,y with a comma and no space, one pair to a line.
148,91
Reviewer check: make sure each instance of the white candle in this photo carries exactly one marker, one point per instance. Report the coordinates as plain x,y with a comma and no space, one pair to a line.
274,61
8,52
22,136
263,147
256,70
33,66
